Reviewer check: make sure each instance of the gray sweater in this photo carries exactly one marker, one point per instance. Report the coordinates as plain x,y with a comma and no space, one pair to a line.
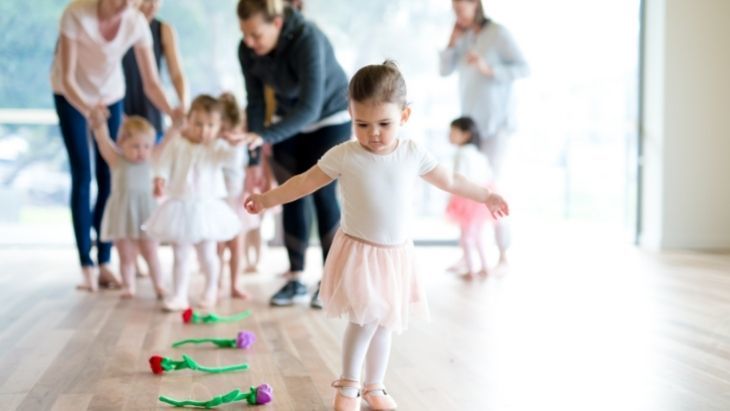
308,82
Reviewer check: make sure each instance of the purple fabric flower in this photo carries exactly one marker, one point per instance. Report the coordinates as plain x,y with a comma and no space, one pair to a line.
245,339
264,394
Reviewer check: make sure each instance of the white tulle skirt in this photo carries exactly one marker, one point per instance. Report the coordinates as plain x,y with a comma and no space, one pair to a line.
193,220
372,283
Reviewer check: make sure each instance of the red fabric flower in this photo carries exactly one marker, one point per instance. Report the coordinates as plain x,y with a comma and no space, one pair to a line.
156,364
187,315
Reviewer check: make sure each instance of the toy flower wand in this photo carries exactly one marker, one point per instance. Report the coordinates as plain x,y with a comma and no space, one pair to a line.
189,316
161,364
255,396
243,340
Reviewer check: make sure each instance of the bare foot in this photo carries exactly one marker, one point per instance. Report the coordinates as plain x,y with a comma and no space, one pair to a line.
251,269
238,293
175,304
160,293
457,267
107,279
208,301
468,276
127,293
483,274
89,282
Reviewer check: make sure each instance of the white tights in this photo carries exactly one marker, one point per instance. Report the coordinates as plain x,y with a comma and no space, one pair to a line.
472,237
370,344
209,263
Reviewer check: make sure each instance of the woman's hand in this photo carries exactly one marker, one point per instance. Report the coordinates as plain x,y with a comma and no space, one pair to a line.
253,140
456,34
476,60
497,206
254,203
98,116
178,117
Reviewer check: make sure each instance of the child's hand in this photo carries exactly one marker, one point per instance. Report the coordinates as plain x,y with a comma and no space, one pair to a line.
497,206
253,140
254,204
476,60
98,116
159,187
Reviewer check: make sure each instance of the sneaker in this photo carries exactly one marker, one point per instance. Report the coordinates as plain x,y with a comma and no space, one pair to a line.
316,302
292,290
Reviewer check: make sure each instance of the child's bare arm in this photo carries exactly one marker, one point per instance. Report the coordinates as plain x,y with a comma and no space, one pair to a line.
294,188
107,147
455,183
172,132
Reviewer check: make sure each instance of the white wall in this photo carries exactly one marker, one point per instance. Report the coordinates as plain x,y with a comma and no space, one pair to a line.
686,201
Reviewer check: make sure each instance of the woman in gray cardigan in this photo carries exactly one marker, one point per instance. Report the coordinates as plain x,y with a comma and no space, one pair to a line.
283,51
487,61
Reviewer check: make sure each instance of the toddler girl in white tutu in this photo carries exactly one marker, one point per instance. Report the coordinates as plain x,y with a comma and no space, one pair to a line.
369,275
194,214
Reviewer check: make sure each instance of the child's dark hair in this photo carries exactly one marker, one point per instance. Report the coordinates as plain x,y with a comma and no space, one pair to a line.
378,83
207,104
467,125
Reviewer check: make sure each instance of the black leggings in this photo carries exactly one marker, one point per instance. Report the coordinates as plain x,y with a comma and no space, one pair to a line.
297,155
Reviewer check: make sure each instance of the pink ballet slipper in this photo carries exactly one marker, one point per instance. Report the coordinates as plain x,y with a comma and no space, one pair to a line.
378,402
343,402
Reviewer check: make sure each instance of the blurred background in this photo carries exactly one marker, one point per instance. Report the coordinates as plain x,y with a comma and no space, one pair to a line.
571,161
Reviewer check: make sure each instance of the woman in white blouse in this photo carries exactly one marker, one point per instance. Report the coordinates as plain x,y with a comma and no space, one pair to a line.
487,61
87,72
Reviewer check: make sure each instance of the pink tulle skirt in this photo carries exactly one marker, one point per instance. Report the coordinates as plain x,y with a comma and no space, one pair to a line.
372,283
464,211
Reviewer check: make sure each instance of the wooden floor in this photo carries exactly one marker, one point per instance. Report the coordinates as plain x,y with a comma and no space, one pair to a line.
573,325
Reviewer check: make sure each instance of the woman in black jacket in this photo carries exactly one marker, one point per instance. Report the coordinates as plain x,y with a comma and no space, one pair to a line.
283,51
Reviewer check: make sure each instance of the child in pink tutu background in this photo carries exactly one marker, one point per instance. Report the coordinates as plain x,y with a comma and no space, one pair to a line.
469,214
370,274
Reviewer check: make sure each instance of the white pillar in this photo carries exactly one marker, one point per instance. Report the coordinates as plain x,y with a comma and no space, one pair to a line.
686,181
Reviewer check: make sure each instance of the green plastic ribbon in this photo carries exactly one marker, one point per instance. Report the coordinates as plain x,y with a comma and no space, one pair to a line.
190,316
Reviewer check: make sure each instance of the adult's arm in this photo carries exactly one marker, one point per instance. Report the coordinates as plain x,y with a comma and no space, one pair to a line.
255,104
150,79
69,57
174,63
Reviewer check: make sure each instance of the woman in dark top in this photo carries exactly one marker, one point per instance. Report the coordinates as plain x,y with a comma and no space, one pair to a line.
282,50
164,44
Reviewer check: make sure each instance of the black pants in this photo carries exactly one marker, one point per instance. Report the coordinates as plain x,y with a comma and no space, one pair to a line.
294,156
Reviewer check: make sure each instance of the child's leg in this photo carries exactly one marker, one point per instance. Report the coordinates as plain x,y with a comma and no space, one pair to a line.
127,250
181,277
209,263
376,361
235,246
354,349
148,249
467,244
481,248
253,243
221,250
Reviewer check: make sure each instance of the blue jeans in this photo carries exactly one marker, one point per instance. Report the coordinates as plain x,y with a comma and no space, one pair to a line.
76,136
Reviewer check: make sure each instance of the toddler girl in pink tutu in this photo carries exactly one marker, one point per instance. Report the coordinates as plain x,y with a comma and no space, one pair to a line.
370,274
469,214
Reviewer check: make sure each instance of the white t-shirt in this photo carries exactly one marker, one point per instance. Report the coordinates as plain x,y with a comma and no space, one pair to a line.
472,164
99,62
377,190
